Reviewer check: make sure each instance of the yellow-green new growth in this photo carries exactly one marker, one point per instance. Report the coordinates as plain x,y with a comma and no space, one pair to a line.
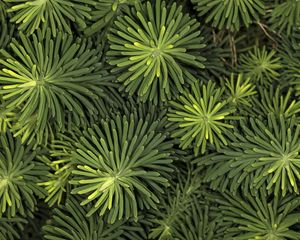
200,117
151,49
123,164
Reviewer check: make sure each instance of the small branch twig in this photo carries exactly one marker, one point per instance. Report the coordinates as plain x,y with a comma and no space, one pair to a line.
233,50
264,27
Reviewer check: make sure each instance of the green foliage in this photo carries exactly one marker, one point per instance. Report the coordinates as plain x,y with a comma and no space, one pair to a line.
6,31
260,65
239,90
156,43
61,164
174,206
33,228
214,67
260,216
46,77
277,102
10,227
70,223
199,117
290,53
20,174
7,118
199,223
229,14
123,165
104,13
41,14
184,212
3,7
157,119
286,16
264,154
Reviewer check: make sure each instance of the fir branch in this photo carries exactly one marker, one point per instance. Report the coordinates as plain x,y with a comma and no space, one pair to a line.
229,14
156,42
20,174
41,14
123,165
199,117
45,76
263,155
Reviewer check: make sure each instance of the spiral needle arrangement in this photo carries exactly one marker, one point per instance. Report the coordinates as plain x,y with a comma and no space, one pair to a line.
149,119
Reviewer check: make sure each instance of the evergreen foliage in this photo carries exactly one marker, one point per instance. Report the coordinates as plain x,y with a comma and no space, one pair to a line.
261,65
122,165
149,119
229,14
38,81
41,14
20,174
259,216
70,223
285,16
290,52
104,13
199,117
10,228
260,154
156,42
277,102
239,90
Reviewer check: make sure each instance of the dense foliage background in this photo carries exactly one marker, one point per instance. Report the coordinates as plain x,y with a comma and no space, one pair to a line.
135,120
